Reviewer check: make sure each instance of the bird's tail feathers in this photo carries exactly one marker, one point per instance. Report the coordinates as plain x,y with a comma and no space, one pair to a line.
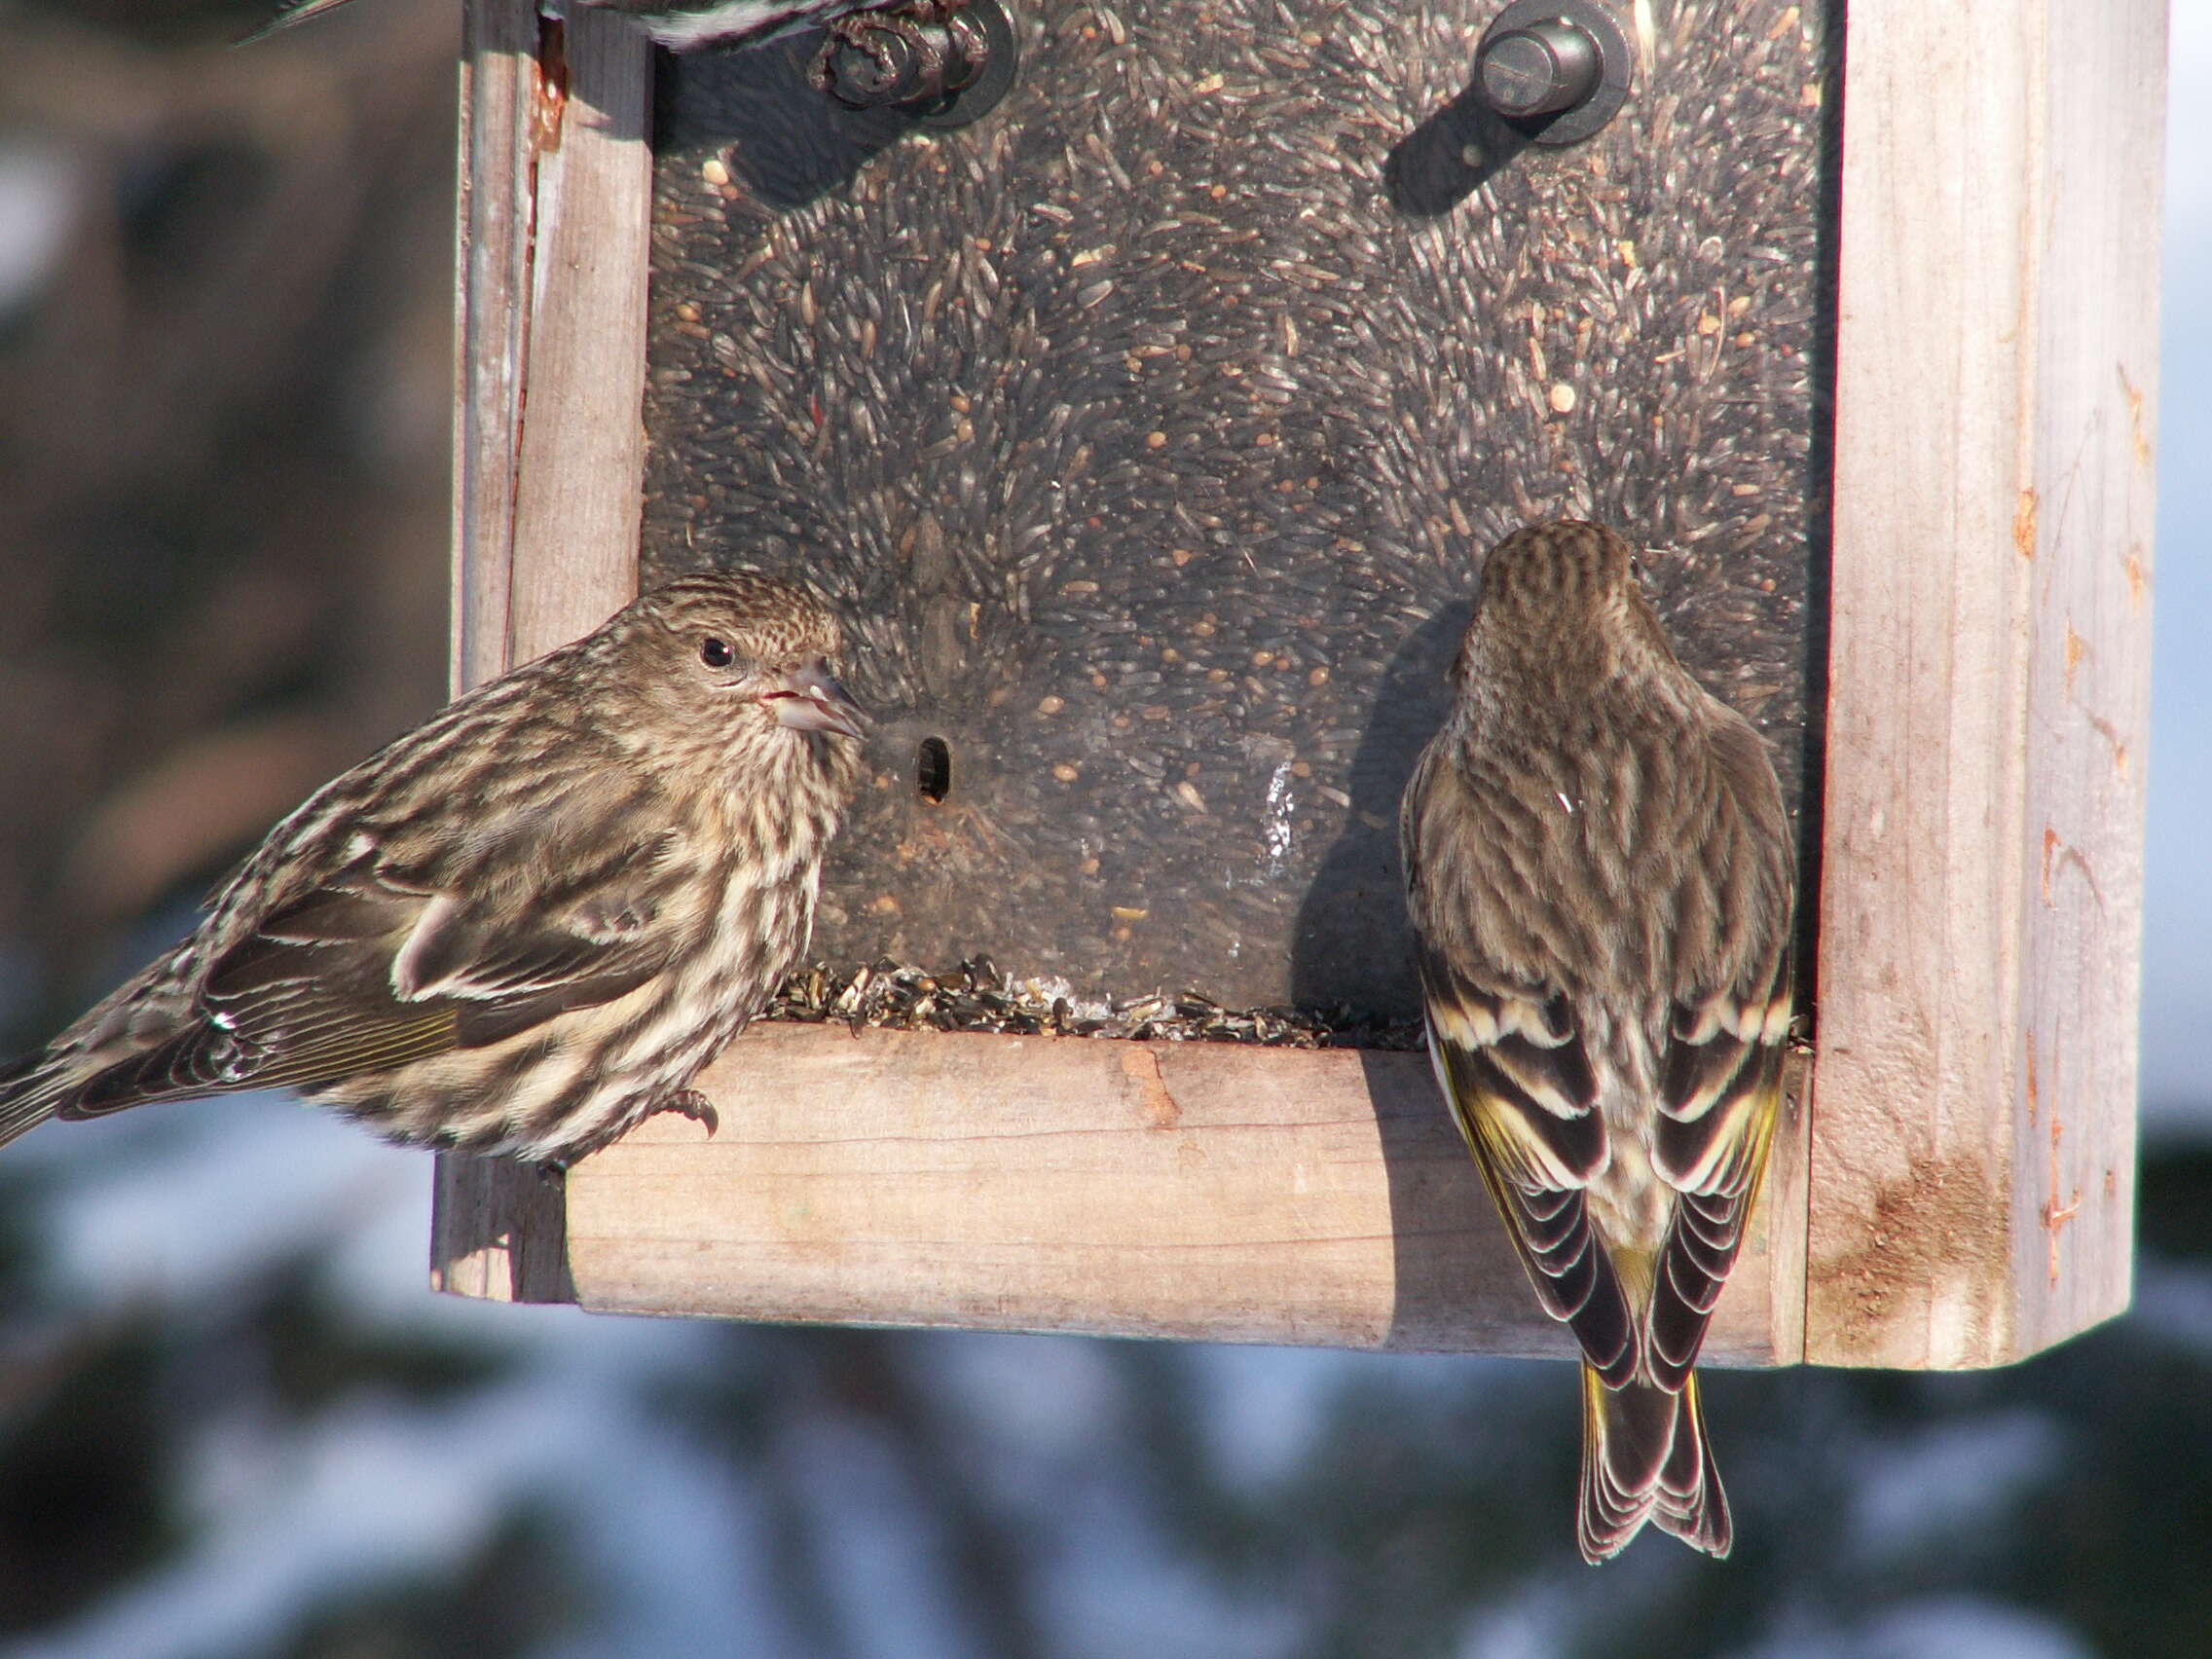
1646,1458
31,1090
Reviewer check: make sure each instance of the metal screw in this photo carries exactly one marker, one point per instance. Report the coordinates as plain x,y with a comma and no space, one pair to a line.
1537,70
872,59
882,67
1556,70
942,61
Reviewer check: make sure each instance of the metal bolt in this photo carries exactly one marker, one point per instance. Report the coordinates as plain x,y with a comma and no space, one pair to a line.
1539,70
880,68
1557,70
943,61
870,60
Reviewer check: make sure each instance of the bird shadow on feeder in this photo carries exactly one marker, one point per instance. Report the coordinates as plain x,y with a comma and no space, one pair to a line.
785,142
1451,1267
1351,942
1352,945
506,1231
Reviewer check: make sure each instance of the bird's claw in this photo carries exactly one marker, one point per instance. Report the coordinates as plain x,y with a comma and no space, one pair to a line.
688,1103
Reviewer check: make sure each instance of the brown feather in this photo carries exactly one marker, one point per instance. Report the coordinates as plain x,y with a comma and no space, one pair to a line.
524,925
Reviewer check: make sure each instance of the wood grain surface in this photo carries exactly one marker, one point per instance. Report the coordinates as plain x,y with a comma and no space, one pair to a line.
1973,1160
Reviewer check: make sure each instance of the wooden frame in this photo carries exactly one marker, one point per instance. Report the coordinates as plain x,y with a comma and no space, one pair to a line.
1960,1191
1974,1146
555,183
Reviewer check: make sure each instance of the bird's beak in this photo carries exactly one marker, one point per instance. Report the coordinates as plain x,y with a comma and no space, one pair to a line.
808,698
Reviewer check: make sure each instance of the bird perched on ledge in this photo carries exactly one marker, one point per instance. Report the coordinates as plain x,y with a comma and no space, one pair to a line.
1602,878
524,925
683,28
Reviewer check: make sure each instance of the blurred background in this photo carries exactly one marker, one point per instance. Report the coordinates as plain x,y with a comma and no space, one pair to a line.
234,1423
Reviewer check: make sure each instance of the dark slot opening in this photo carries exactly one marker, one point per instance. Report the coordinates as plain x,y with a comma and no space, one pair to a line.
933,768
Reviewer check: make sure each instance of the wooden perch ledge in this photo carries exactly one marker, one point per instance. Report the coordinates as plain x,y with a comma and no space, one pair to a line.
1068,1183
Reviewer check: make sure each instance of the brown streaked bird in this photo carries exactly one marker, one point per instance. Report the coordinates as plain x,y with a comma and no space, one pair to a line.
1602,878
524,926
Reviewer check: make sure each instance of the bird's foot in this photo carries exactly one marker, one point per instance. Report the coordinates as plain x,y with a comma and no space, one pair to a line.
686,1103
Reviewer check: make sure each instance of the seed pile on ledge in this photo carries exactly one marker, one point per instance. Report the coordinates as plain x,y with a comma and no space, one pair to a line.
976,997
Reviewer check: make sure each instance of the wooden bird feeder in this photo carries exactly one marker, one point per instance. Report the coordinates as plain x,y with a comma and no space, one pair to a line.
1150,428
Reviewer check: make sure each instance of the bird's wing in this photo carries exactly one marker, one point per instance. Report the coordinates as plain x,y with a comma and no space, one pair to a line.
1720,1063
1512,1058
1719,1099
377,966
288,13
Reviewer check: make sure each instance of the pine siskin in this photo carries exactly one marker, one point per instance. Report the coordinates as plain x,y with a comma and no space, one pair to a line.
524,925
1601,878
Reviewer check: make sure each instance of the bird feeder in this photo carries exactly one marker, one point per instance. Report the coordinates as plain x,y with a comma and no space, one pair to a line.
1146,405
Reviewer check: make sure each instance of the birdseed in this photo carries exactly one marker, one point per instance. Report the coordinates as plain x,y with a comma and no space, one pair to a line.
926,373
976,997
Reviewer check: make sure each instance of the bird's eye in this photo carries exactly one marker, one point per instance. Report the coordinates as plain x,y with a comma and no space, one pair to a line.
1636,566
716,653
